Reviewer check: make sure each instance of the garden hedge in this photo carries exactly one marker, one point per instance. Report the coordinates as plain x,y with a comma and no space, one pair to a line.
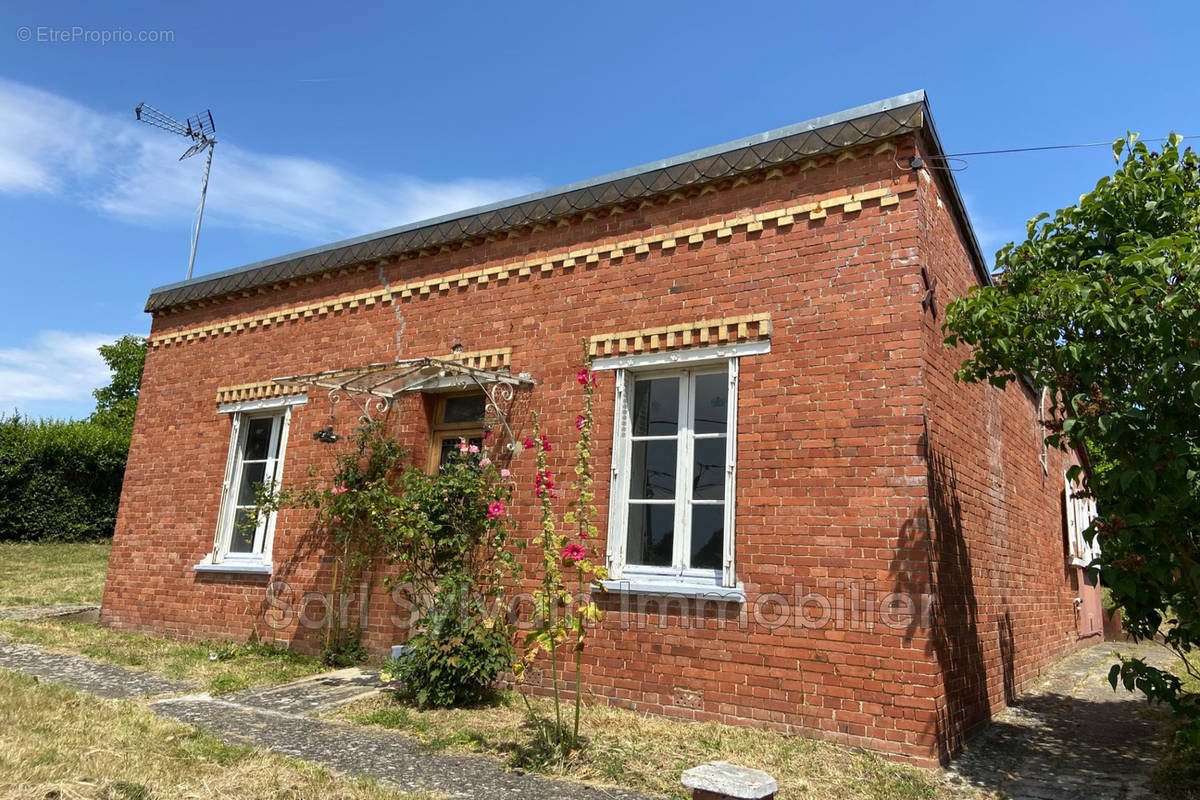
59,481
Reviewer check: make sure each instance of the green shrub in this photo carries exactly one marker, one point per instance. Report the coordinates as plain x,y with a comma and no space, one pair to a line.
347,650
449,541
59,481
454,660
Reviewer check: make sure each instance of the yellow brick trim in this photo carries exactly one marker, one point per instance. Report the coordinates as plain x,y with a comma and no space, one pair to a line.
746,328
483,359
256,391
545,264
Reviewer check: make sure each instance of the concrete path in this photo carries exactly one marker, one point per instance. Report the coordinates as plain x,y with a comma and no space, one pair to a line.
1071,737
102,680
278,718
317,694
80,612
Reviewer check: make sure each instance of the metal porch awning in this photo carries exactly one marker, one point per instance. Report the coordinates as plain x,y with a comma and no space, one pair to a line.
381,383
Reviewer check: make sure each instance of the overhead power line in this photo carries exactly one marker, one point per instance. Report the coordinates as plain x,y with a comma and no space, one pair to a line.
961,157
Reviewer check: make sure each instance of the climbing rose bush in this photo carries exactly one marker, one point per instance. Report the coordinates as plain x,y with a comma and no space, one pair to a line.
449,537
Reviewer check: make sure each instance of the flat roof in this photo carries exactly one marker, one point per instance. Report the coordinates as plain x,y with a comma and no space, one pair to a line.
850,128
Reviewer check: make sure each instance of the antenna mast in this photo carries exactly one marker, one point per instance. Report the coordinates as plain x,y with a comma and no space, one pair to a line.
201,131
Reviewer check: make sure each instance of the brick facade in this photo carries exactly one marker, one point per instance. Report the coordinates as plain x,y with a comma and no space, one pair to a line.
863,468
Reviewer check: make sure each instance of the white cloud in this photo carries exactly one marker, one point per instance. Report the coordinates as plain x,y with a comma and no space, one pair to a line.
55,366
52,145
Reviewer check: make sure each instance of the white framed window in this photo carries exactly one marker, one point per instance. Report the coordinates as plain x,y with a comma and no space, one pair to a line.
672,493
257,445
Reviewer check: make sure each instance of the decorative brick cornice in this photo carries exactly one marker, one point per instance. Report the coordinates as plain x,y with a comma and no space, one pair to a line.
483,359
262,390
748,328
759,160
612,251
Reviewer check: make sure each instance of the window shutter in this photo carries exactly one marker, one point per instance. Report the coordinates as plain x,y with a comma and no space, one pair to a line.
1093,547
1072,539
728,574
618,476
221,539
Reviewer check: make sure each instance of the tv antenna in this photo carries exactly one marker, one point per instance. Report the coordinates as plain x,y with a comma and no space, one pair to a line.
201,131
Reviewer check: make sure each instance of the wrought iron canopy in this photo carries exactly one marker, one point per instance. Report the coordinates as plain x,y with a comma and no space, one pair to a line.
379,384
388,379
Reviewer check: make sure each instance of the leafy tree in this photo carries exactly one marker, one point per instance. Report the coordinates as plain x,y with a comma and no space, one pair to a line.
117,402
1100,306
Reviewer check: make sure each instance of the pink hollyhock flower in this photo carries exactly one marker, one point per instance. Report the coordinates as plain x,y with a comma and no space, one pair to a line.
462,447
573,554
483,462
528,443
545,483
338,490
504,473
495,509
474,448
545,443
583,376
579,422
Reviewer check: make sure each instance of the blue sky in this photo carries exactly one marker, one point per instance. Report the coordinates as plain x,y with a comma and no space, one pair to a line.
339,119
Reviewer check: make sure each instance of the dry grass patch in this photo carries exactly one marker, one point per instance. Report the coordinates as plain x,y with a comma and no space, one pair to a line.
1178,772
235,666
34,574
55,743
649,753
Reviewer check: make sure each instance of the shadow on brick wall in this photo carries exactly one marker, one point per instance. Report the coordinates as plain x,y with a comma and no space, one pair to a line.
933,556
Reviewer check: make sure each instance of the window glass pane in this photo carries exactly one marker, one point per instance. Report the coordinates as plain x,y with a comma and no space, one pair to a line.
258,438
252,475
450,445
708,536
652,470
656,407
651,539
711,402
708,469
458,410
241,540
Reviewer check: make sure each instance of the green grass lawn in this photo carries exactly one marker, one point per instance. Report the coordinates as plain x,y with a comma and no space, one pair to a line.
649,753
56,743
34,574
44,574
235,666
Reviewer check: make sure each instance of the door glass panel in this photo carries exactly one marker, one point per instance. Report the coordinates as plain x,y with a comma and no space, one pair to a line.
656,407
711,402
258,438
652,470
708,536
450,444
252,477
651,539
241,540
708,470
457,410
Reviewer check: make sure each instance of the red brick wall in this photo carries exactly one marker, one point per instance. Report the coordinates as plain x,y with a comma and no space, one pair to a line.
833,484
1006,594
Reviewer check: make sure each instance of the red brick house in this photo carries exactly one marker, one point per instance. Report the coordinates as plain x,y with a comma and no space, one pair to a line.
810,524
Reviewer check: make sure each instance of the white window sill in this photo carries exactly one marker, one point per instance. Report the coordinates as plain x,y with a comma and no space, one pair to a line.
235,567
703,591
